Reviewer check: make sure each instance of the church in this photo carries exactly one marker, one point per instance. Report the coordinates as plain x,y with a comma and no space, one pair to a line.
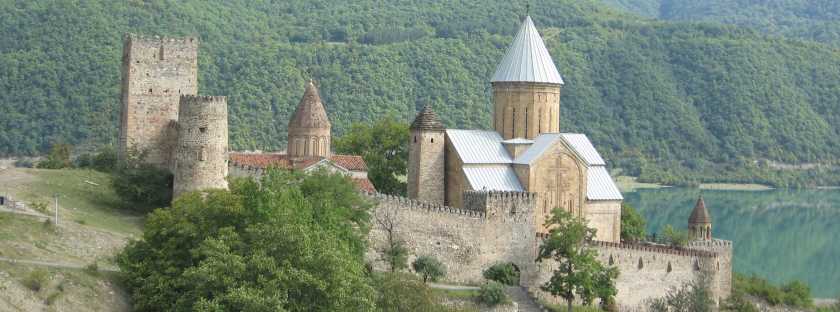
525,152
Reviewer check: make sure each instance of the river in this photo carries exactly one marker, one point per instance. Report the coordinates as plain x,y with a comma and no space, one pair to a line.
780,235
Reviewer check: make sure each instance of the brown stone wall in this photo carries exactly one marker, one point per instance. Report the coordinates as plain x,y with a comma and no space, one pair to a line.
525,110
605,217
465,241
559,179
201,154
651,279
722,281
426,166
155,73
309,142
456,183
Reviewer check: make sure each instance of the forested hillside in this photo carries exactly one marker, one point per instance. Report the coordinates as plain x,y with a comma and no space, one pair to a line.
817,20
651,94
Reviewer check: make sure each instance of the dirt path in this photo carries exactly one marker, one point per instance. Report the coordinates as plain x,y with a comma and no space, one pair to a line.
60,265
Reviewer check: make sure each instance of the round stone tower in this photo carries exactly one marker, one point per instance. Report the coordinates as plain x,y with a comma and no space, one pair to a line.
700,222
426,158
309,128
201,150
526,88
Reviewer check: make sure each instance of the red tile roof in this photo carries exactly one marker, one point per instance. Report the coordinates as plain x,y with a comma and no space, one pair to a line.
364,185
282,161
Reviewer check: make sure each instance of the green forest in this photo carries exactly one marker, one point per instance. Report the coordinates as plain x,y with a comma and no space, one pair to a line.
665,100
817,20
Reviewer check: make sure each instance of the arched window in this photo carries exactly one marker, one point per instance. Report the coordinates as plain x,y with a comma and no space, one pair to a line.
433,140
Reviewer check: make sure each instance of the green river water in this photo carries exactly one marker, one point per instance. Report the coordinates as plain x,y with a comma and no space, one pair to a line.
780,235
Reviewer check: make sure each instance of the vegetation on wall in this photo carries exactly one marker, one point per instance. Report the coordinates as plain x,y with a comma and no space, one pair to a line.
664,100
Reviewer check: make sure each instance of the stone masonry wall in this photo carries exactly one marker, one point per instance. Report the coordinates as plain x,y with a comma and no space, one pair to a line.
426,164
201,153
646,272
604,216
466,241
525,110
155,73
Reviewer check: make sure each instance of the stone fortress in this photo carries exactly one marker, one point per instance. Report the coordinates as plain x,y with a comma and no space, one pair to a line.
475,197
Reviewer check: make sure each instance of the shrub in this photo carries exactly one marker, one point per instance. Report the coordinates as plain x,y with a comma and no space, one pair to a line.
797,294
694,297
104,159
794,293
492,294
35,280
632,224
58,158
430,268
674,237
141,184
505,273
396,255
24,163
92,269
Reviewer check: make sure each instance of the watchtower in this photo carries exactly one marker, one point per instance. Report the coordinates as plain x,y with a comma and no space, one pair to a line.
426,158
155,73
201,153
526,88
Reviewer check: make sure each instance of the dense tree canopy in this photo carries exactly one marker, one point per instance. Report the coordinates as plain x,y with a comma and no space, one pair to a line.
285,244
656,97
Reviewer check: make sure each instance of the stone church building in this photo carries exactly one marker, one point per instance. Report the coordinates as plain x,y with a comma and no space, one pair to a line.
526,151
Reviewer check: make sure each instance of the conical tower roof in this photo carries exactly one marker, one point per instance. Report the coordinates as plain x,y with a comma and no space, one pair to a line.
427,120
700,214
527,59
310,112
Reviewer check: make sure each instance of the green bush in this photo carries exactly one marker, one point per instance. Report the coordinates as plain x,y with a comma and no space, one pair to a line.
632,224
142,185
795,293
492,294
505,273
58,158
104,160
36,279
429,268
674,237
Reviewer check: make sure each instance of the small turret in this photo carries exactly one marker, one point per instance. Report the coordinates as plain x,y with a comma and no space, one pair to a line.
309,128
700,223
201,153
426,158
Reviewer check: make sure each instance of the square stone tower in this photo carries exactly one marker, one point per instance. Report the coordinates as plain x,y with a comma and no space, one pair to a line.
155,73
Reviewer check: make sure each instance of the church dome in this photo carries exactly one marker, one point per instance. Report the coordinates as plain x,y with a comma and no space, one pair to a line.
310,112
700,214
427,120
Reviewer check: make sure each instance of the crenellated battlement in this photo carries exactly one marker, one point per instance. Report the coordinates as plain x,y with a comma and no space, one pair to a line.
715,243
160,39
667,250
411,204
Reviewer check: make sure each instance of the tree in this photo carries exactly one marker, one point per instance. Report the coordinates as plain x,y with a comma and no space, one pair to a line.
400,293
394,253
430,268
492,294
141,185
692,297
674,237
262,246
384,146
58,158
505,273
632,224
578,273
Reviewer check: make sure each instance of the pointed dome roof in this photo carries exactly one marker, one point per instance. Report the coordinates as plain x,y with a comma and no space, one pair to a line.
310,113
427,120
527,59
700,214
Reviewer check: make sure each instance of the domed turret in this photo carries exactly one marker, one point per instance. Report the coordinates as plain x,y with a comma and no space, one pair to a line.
700,222
309,128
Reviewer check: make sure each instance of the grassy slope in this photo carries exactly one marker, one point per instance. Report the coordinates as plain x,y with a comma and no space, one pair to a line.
92,230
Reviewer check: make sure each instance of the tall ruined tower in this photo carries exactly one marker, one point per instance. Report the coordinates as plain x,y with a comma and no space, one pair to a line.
155,73
700,222
526,88
426,158
309,128
202,144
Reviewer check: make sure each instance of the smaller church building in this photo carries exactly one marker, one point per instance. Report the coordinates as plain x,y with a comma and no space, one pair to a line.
526,151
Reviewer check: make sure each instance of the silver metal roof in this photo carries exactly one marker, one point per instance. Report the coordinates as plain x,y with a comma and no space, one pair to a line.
492,178
541,144
600,186
527,59
584,148
518,141
478,146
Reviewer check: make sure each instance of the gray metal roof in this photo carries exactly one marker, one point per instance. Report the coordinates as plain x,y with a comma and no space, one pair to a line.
527,59
478,146
518,141
584,148
492,178
600,186
541,144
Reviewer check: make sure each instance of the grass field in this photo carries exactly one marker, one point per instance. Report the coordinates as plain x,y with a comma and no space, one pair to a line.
27,288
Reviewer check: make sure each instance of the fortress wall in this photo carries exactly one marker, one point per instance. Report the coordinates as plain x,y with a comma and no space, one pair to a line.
201,153
466,241
722,281
637,282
